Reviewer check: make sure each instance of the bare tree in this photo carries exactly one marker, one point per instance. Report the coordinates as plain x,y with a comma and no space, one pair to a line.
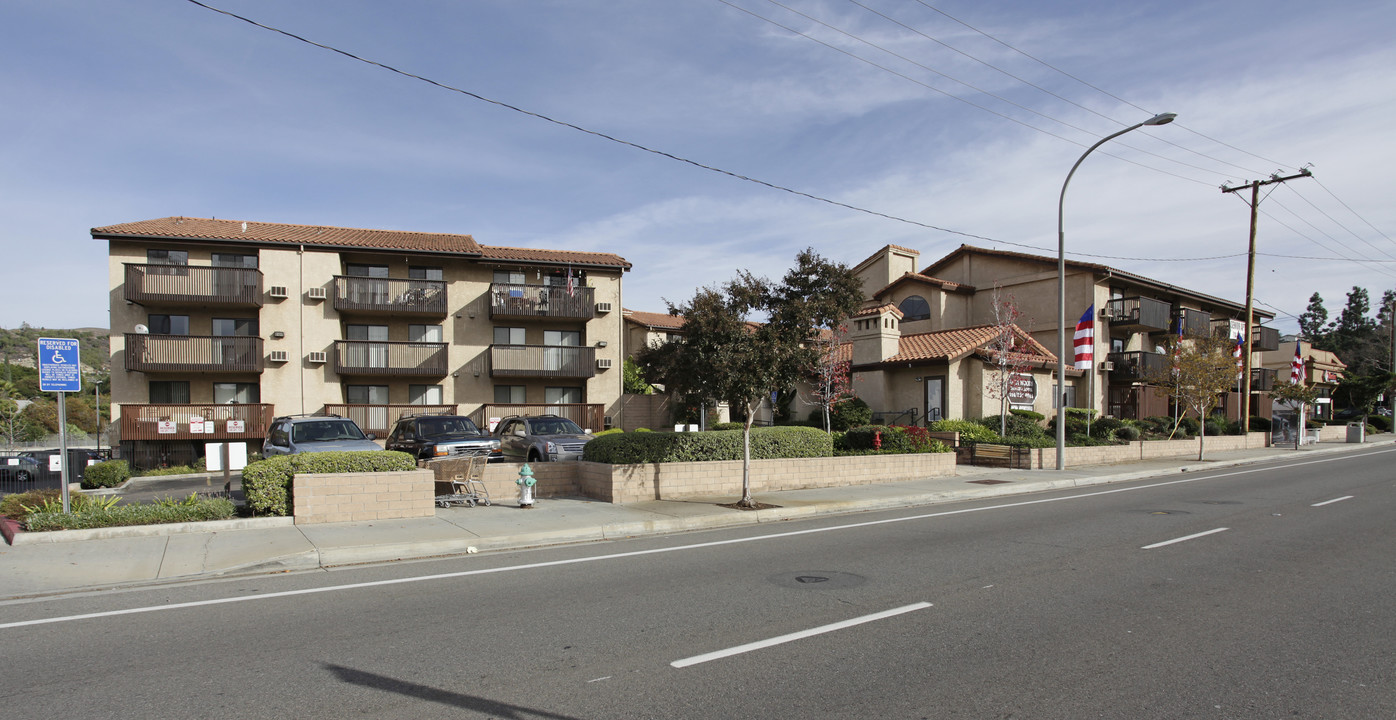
833,377
1203,370
1006,353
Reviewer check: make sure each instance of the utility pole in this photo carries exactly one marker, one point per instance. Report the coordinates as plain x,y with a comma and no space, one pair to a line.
1254,185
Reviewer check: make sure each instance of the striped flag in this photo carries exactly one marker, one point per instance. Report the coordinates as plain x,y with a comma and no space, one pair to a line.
571,284
1296,368
1236,353
1085,340
1178,351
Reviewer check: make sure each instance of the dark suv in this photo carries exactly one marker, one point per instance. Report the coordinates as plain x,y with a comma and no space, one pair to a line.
427,437
315,433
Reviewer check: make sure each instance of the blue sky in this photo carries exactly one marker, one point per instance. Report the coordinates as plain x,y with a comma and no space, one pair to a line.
118,112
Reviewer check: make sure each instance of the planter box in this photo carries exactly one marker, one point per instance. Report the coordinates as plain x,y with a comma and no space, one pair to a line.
354,497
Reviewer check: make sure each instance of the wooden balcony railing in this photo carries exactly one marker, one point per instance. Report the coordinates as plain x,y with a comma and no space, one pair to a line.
1264,338
193,285
538,301
372,357
380,419
173,422
1137,365
545,361
590,416
1263,379
396,296
1137,313
193,353
1193,322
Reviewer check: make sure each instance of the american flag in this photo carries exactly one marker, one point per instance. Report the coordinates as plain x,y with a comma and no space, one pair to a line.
1296,368
1085,340
571,284
1178,351
1236,353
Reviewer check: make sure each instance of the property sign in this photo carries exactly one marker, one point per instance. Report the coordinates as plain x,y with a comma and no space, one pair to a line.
60,369
237,426
1022,389
166,427
196,425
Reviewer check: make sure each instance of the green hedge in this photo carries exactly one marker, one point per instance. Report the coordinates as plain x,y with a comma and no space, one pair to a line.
878,437
969,430
1379,423
766,443
122,515
266,484
105,474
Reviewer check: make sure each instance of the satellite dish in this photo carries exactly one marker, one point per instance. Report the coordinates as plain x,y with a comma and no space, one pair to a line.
142,330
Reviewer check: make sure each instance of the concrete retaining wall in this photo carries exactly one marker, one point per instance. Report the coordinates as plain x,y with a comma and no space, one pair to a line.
353,497
1145,450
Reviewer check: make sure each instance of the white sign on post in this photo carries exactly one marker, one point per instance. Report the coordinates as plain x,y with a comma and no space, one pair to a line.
213,456
55,463
196,425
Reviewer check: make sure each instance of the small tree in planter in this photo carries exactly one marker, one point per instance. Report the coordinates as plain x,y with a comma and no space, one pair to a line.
1006,354
833,377
1297,396
1203,369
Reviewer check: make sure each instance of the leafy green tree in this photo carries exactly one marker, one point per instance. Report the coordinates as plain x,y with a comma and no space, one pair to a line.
726,354
1298,396
634,380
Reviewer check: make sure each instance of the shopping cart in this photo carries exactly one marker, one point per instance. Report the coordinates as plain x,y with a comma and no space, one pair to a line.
458,481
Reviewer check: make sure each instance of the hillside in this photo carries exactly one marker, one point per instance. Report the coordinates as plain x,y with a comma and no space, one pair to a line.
18,346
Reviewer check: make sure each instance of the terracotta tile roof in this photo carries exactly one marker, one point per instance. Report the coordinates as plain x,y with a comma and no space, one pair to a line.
184,228
878,310
954,344
945,285
555,257
655,320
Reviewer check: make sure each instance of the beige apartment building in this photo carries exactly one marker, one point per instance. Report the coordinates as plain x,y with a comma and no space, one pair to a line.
928,359
220,325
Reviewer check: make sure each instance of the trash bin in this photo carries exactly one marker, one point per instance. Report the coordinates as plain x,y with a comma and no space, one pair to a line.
1356,432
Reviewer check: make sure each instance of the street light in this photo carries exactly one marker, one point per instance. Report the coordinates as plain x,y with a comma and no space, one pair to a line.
1160,119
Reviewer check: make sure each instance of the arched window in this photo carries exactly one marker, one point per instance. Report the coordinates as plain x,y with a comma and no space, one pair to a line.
915,307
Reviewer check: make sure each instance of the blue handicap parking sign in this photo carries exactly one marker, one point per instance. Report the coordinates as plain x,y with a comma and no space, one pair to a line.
60,368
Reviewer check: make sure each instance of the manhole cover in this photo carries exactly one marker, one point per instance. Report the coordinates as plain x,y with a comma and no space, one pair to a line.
822,579
990,482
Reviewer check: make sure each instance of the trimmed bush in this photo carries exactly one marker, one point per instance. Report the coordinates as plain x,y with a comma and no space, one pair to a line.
1075,425
766,443
969,430
105,474
266,484
1017,425
727,426
1104,428
878,437
1127,432
603,433
1188,426
198,510
1379,423
1029,414
1030,441
1260,424
850,413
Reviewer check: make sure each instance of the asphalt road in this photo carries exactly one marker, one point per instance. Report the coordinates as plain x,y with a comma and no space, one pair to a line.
1257,592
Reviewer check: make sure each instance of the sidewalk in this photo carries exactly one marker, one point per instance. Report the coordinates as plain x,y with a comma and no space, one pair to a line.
47,563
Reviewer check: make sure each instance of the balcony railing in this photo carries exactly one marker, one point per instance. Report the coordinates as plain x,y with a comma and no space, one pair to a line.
216,422
1137,313
1263,379
380,419
1137,365
371,357
193,285
542,361
193,353
536,301
396,296
1135,402
590,416
1264,338
1193,322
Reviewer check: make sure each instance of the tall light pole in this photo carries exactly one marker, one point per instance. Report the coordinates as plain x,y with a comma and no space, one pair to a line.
1160,119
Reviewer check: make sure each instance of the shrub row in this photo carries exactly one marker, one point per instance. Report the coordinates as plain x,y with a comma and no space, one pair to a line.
196,510
766,443
266,484
887,439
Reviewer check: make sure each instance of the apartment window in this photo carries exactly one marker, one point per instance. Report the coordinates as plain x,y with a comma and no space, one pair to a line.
366,394
361,270
378,333
167,324
554,356
562,395
235,392
235,327
167,257
424,273
424,394
558,278
235,260
424,333
915,307
508,336
509,394
509,277
169,392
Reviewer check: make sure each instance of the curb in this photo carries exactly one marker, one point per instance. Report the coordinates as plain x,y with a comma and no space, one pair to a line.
127,531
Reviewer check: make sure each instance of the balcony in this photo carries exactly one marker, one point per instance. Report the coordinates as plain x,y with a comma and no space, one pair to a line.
172,422
1195,323
523,302
372,357
193,285
1264,338
590,416
193,354
390,296
1262,379
1137,365
380,419
1137,314
542,361
1135,402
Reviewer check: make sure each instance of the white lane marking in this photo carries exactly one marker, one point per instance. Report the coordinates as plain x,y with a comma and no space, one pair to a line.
637,553
738,650
1330,502
1183,539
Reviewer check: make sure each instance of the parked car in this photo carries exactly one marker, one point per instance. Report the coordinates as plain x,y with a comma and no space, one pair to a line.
544,438
19,468
426,437
315,433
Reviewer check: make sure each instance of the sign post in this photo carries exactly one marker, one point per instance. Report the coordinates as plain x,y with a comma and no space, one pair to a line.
60,371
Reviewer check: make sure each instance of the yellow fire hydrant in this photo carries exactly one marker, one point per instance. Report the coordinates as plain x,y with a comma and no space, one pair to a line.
526,483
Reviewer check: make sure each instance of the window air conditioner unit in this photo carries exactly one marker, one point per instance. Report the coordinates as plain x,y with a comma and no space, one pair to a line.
603,363
1107,366
277,291
316,357
603,307
1106,313
316,293
279,356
